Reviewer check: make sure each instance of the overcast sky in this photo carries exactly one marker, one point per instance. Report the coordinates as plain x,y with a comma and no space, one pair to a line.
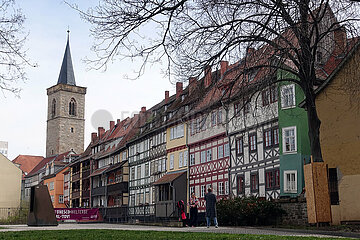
23,120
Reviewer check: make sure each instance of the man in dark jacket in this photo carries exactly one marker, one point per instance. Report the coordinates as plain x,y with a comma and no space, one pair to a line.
210,199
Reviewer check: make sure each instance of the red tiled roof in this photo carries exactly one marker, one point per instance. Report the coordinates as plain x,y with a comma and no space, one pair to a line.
27,162
168,178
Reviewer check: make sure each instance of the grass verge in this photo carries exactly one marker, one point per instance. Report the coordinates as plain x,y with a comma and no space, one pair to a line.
134,235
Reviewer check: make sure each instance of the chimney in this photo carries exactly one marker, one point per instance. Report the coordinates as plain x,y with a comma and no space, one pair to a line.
112,125
101,131
207,73
143,109
166,96
179,89
93,137
223,67
192,84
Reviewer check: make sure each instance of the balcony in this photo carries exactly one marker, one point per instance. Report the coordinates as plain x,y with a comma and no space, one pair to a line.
118,188
99,191
86,173
75,176
85,193
75,194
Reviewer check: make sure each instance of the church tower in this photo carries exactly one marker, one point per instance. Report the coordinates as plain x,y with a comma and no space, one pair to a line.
66,109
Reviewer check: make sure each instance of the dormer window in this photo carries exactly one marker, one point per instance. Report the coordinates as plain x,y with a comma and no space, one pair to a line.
165,107
182,97
72,107
186,108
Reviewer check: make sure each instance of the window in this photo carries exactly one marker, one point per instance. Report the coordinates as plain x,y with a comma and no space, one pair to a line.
226,150
220,151
239,146
72,129
192,190
226,188
193,127
240,184
252,142
290,181
269,95
53,108
289,139
180,159
208,155
185,158
247,106
52,198
221,188
219,116
192,159
51,186
202,191
72,107
213,118
265,95
276,136
288,96
203,157
203,124
177,132
171,161
138,172
61,198
147,173
254,182
236,108
333,186
124,156
132,175
267,138
273,94
272,179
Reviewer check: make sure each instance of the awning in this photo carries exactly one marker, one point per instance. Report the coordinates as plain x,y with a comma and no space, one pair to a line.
98,171
168,178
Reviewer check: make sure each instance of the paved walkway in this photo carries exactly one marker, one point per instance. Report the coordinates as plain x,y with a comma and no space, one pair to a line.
231,230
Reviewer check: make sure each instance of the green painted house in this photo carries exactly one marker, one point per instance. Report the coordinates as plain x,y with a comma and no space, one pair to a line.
294,141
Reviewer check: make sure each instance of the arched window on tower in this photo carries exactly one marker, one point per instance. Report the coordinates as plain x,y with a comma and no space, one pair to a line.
72,107
53,108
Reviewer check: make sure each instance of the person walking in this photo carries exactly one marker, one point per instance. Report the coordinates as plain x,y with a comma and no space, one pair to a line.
210,199
193,203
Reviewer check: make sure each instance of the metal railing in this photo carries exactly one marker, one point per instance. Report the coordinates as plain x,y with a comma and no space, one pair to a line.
14,215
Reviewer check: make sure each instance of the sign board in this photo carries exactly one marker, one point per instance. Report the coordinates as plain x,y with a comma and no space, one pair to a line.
77,214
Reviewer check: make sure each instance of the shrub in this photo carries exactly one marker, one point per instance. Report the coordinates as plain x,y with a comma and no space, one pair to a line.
248,211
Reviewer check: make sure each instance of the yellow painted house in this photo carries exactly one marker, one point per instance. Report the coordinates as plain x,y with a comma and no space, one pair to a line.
177,152
338,106
10,184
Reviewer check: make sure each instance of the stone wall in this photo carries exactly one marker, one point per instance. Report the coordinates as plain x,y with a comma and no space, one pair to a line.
296,212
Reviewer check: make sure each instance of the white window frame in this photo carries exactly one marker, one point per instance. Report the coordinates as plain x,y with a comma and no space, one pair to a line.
171,161
209,155
181,159
192,159
284,104
226,149
284,139
203,156
202,191
51,186
286,183
221,188
61,198
185,162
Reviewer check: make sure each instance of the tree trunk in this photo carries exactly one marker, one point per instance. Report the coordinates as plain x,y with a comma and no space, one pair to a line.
314,129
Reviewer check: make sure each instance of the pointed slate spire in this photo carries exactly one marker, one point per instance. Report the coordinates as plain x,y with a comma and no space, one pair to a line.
66,75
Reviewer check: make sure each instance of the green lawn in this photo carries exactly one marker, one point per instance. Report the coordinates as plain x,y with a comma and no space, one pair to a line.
133,235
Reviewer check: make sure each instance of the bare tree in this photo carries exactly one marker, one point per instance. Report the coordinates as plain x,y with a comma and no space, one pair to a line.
12,55
297,36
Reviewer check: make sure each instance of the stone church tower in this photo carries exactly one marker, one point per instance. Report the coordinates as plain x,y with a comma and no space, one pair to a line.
66,109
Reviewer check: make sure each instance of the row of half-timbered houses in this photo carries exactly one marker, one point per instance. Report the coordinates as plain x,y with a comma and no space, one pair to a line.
238,132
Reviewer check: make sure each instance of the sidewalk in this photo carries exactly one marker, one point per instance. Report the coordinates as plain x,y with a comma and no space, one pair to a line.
230,230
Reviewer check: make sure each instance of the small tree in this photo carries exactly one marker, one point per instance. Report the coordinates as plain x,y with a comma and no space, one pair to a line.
296,36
